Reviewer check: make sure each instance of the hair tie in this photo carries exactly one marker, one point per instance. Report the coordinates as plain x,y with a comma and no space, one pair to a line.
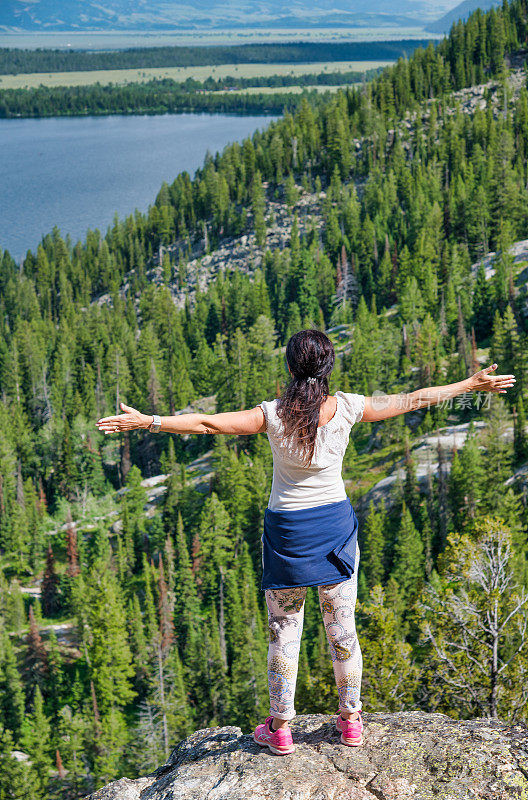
311,380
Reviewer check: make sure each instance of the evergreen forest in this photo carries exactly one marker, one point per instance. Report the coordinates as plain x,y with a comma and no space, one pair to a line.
163,96
153,97
130,604
14,60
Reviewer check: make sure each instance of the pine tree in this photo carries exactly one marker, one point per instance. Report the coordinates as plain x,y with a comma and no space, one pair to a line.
33,506
50,595
465,481
164,612
498,456
151,621
134,501
99,548
372,551
36,733
411,491
506,345
112,746
171,503
427,539
66,477
290,191
16,779
72,552
110,667
186,609
248,668
390,677
169,560
12,699
294,322
216,545
482,304
304,689
520,438
72,735
36,655
216,671
138,644
162,647
56,681
322,674
15,610
258,204
125,547
408,567
384,279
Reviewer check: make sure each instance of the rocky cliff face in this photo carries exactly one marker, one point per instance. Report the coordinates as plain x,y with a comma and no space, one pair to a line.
408,755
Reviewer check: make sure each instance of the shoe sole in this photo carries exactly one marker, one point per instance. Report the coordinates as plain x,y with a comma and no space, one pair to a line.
275,749
351,742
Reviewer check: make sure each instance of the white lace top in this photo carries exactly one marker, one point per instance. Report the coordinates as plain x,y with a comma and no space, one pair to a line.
296,486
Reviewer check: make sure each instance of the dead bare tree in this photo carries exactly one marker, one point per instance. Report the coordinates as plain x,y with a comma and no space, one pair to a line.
476,623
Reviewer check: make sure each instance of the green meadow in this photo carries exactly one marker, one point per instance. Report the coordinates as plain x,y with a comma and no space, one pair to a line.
125,76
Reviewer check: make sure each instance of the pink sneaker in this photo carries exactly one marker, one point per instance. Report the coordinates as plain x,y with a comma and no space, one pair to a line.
351,730
279,742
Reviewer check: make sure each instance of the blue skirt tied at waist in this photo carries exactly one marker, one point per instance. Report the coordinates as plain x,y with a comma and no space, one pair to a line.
309,546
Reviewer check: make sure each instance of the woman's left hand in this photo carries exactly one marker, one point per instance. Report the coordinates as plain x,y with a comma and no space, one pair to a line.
131,420
484,382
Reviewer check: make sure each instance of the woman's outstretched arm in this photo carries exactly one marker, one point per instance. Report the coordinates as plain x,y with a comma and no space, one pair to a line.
383,406
238,422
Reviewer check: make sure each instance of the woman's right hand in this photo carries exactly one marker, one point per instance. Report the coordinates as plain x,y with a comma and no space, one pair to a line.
131,420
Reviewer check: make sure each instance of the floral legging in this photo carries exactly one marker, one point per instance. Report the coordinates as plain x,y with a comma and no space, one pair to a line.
285,622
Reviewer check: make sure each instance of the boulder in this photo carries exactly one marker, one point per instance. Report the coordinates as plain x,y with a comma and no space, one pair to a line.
406,755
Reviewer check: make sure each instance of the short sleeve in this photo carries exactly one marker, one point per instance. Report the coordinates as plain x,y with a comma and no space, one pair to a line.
353,406
269,408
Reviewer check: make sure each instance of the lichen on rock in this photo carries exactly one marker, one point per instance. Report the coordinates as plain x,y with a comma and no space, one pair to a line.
407,755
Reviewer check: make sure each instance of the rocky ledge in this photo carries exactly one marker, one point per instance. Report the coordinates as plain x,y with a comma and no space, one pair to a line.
407,755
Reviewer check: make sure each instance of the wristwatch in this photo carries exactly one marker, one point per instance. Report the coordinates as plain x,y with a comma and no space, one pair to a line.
155,425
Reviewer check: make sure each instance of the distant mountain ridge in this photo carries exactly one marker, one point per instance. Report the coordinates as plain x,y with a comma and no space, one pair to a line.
86,15
461,11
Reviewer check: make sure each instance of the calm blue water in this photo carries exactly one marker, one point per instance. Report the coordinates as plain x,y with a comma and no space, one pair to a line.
76,172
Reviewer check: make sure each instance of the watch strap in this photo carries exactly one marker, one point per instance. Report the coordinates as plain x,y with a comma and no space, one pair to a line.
155,425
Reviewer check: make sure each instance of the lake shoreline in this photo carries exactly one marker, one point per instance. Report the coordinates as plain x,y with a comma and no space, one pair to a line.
124,114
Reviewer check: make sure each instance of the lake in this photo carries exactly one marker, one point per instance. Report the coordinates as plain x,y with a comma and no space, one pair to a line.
76,172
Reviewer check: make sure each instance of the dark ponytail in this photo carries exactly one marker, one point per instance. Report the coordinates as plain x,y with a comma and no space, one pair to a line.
310,356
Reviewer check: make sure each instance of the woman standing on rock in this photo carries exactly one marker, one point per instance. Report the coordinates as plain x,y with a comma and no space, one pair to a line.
310,528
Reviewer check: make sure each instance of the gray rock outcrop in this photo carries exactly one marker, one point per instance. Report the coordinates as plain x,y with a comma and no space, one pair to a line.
407,755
